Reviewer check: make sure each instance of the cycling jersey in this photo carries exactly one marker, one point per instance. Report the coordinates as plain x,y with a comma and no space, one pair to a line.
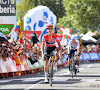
73,46
54,37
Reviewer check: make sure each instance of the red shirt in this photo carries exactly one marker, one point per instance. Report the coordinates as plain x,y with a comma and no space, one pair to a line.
55,38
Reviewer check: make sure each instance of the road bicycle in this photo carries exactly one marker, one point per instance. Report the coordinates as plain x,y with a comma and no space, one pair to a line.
51,67
73,65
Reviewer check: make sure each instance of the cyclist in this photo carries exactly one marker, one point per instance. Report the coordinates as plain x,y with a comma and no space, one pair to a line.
48,45
73,46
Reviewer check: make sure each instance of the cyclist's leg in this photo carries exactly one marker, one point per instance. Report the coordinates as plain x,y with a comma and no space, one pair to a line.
46,61
47,51
56,58
69,58
46,70
77,60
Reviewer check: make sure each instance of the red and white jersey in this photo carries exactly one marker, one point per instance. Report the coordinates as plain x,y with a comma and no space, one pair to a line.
54,37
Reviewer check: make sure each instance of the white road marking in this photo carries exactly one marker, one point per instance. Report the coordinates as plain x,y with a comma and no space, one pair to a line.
31,86
89,66
3,81
60,79
88,80
30,80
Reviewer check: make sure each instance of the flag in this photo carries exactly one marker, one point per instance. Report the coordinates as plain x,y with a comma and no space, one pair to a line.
20,37
65,31
17,30
60,36
18,27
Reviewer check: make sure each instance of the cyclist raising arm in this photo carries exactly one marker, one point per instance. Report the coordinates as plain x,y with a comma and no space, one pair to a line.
72,47
48,45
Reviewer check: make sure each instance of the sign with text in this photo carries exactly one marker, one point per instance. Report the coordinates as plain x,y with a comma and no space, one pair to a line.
7,7
86,56
8,17
29,33
6,28
81,57
94,56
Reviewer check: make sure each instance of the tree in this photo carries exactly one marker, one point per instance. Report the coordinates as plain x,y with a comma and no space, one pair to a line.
81,15
56,6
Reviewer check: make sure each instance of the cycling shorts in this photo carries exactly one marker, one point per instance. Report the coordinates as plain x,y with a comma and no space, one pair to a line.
48,50
71,52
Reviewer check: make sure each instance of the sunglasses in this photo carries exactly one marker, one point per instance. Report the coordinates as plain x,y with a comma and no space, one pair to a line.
49,28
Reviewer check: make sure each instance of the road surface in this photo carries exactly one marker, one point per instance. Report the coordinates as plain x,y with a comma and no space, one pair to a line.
88,78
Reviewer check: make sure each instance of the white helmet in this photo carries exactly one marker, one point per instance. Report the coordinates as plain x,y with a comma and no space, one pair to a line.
73,38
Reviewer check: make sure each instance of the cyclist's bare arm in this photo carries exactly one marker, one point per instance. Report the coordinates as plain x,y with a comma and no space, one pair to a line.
60,48
42,50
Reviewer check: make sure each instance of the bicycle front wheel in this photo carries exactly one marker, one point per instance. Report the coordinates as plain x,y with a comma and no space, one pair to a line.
50,73
72,68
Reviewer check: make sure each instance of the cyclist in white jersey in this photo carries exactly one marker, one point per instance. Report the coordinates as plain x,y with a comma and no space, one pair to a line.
72,47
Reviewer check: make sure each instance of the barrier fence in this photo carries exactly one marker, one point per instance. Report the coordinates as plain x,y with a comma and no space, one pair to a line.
10,68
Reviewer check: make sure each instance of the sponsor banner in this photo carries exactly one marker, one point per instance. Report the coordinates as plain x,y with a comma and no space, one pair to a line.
6,28
99,55
86,56
29,33
7,7
81,57
94,56
8,17
64,58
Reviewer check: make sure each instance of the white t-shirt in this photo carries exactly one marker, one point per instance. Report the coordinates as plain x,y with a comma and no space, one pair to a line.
73,46
2,35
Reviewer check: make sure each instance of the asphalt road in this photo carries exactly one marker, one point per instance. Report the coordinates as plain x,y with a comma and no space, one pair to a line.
87,79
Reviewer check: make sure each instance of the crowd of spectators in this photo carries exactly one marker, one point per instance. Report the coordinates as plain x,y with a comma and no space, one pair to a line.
32,50
19,48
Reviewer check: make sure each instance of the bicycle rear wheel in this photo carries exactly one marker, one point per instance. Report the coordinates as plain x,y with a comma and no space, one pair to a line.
50,72
73,71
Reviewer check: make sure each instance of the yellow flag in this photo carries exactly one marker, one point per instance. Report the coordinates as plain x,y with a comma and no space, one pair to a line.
19,24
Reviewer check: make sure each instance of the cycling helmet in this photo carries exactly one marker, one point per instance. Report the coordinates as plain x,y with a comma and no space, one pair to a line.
73,38
78,37
49,26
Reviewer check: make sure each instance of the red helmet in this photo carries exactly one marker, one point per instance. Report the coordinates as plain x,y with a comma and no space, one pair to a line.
49,26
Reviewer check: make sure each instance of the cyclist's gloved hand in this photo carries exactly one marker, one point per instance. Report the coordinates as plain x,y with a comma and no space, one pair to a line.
79,54
68,54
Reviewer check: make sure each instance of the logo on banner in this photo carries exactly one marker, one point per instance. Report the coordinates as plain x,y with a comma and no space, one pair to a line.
29,34
12,1
6,28
7,7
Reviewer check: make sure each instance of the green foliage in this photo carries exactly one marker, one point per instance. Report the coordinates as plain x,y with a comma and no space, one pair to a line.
81,15
56,6
24,7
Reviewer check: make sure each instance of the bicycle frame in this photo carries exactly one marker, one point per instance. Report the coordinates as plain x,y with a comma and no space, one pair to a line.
50,70
51,67
73,68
